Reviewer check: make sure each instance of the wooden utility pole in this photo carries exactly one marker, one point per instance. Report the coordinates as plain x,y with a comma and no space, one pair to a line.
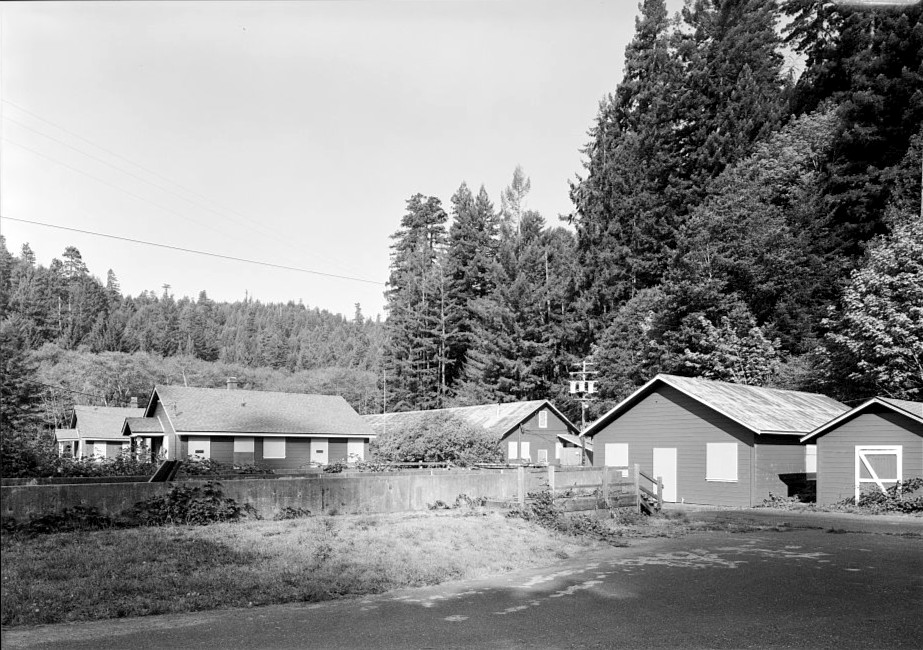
583,388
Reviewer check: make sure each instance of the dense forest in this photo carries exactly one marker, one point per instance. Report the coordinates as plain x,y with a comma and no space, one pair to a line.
749,210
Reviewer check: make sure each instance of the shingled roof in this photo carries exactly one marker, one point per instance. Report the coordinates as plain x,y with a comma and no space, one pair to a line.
913,410
498,419
762,410
250,411
97,423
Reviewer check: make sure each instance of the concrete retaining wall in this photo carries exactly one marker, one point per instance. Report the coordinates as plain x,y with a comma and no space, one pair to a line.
318,494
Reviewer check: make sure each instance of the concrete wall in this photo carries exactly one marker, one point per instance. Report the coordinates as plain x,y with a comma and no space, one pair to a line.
319,494
836,450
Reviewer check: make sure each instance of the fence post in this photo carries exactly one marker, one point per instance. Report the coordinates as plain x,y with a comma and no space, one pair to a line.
637,473
660,492
605,486
521,482
551,481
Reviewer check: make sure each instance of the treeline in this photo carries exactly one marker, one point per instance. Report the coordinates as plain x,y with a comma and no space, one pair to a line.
64,305
732,222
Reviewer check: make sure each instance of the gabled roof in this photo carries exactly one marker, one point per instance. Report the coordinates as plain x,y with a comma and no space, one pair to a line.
498,419
97,423
140,426
250,411
761,410
913,410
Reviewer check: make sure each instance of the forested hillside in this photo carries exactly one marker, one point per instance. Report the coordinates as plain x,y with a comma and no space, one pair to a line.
749,210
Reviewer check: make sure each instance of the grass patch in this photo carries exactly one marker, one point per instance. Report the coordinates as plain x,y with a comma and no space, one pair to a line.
79,576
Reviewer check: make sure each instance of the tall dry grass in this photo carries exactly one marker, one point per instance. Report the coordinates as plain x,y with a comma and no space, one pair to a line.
137,572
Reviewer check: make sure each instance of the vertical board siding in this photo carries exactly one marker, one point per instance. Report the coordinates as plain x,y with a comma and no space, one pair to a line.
337,450
836,450
536,438
668,418
780,467
297,454
222,449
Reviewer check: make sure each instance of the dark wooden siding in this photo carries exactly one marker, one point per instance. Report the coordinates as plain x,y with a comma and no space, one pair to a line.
536,437
222,449
836,450
337,450
113,449
780,467
297,454
668,418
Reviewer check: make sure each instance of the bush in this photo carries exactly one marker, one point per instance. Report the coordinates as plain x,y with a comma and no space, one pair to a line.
198,505
545,513
70,519
438,438
906,496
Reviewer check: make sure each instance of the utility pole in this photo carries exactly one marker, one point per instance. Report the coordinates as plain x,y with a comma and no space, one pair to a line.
582,386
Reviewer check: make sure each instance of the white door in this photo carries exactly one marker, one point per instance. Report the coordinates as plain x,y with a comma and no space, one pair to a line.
99,449
877,468
319,450
200,448
355,449
665,469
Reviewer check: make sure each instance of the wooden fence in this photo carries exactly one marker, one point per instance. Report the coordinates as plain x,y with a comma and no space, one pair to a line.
592,488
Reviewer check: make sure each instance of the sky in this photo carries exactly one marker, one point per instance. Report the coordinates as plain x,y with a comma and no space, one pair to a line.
291,133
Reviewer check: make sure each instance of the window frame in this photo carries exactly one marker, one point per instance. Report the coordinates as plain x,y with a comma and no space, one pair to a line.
716,457
266,456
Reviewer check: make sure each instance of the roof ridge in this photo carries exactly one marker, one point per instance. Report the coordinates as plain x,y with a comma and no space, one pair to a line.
244,390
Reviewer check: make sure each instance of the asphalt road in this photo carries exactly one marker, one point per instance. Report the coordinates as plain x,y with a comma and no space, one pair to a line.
801,588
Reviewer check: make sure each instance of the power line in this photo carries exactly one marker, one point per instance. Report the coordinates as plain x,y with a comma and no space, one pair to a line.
224,211
194,251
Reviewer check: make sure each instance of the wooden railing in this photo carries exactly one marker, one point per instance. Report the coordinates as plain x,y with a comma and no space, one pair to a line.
650,491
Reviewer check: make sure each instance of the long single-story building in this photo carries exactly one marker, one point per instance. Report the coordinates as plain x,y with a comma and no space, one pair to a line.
868,448
533,431
713,442
245,427
95,431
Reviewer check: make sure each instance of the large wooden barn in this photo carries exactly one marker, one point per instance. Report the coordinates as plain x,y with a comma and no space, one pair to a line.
532,431
713,442
868,448
245,427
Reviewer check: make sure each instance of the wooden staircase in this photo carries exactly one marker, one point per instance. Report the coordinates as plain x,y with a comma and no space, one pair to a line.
650,493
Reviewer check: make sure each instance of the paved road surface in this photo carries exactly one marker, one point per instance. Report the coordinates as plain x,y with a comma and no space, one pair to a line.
796,589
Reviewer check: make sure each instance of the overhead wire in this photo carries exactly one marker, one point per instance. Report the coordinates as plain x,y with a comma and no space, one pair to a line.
194,251
222,211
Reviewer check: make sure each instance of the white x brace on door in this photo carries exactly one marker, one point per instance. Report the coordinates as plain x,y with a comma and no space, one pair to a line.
878,465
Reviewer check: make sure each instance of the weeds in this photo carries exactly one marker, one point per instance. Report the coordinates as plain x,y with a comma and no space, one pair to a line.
198,506
541,510
291,513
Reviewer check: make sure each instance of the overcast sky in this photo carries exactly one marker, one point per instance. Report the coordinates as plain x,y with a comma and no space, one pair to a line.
290,132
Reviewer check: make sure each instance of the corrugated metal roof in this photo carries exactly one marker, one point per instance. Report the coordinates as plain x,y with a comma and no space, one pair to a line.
912,409
98,422
762,410
916,408
498,419
251,411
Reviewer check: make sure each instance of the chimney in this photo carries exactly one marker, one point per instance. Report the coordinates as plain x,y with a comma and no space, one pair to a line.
232,383
134,402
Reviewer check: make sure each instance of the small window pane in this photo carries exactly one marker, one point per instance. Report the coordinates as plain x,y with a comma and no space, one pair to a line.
243,445
543,419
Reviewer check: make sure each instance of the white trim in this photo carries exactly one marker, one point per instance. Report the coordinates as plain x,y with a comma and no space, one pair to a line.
861,450
824,428
543,419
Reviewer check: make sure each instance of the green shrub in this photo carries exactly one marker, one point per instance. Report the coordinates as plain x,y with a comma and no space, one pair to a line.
906,496
438,438
197,505
542,510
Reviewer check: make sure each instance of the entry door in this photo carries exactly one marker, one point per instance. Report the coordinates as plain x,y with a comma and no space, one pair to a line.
200,448
877,468
319,450
665,468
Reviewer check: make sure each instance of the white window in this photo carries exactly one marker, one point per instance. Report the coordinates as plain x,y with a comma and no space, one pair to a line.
721,461
810,458
512,452
616,454
243,445
543,419
274,448
557,450
543,455
524,451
